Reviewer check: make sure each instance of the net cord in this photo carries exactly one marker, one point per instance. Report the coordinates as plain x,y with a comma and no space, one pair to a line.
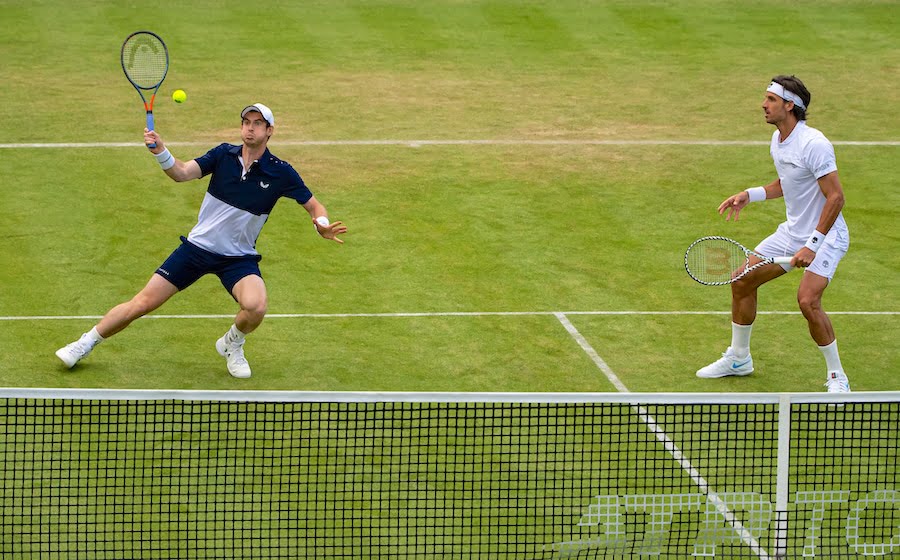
401,396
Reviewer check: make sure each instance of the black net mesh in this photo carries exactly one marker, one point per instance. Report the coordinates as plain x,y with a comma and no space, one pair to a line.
83,479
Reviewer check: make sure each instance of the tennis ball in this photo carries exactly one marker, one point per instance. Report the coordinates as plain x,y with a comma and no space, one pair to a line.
179,96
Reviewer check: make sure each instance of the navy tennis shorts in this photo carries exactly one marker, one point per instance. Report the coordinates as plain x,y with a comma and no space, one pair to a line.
188,263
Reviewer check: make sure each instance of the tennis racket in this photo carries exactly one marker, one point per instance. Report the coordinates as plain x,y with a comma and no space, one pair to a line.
716,261
145,61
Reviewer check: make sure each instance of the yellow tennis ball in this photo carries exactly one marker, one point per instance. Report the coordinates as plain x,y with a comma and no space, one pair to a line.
179,96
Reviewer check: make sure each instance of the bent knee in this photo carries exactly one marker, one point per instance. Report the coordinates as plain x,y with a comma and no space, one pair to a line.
809,303
742,287
256,307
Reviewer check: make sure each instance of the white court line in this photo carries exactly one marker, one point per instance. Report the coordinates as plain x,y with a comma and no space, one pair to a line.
589,350
472,142
669,445
424,314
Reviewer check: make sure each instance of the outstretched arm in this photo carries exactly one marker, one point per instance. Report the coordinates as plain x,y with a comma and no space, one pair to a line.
176,169
736,202
327,229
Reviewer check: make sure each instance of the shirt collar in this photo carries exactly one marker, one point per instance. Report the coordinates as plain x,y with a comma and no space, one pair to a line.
264,160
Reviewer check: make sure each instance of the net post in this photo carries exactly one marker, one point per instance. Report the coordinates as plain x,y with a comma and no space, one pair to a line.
782,475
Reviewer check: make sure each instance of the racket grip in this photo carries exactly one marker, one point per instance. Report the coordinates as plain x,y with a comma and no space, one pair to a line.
782,260
150,127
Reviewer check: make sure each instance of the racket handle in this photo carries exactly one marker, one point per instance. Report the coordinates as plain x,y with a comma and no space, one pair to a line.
150,127
782,260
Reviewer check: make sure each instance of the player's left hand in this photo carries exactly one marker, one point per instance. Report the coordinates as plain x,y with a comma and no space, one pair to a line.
803,258
332,230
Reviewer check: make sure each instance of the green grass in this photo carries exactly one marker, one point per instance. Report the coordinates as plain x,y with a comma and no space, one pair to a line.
443,228
435,230
479,244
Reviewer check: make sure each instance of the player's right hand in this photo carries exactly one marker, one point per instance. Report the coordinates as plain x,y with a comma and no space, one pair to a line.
151,137
734,204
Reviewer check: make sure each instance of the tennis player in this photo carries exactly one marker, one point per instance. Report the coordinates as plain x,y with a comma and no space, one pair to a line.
246,182
815,234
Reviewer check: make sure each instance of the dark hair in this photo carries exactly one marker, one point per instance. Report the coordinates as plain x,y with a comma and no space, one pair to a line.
795,86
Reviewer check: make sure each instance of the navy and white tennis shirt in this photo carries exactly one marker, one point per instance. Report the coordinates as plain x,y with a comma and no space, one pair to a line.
237,205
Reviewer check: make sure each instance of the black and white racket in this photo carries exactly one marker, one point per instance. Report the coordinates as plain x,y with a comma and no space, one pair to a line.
717,261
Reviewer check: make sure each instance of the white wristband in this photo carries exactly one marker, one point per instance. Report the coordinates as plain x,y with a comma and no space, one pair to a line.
815,241
165,158
757,194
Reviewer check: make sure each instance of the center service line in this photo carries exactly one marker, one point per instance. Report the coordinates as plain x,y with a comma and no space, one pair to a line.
668,444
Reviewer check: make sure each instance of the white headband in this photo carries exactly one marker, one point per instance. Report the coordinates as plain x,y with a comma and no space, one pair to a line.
786,94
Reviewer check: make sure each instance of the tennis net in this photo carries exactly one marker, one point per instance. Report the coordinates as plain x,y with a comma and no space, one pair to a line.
95,474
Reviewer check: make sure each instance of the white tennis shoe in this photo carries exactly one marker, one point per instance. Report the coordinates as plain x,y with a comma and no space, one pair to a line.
234,358
71,354
837,382
728,364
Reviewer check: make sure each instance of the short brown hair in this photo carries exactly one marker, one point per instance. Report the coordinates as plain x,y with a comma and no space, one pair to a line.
795,86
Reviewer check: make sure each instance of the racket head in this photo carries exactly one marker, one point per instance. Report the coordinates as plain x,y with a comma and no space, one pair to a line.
145,60
716,260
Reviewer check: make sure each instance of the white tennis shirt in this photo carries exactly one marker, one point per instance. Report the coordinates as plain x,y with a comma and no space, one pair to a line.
803,158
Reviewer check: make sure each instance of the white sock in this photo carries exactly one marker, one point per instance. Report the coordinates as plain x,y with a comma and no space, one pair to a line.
94,337
234,336
832,359
740,339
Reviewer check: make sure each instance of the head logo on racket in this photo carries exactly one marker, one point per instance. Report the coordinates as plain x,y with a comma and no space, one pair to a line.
145,61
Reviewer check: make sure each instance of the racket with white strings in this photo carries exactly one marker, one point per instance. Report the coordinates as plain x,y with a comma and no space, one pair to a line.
145,61
717,261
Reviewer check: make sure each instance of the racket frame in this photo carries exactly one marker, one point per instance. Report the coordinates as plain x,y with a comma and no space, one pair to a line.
148,106
748,268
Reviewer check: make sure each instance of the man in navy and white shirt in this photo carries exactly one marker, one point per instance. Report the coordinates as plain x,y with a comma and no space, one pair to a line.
814,234
246,182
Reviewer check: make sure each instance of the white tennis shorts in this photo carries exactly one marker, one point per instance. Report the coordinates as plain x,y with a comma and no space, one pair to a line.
833,249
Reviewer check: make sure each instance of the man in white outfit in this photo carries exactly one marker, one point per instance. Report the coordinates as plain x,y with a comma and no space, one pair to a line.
815,234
